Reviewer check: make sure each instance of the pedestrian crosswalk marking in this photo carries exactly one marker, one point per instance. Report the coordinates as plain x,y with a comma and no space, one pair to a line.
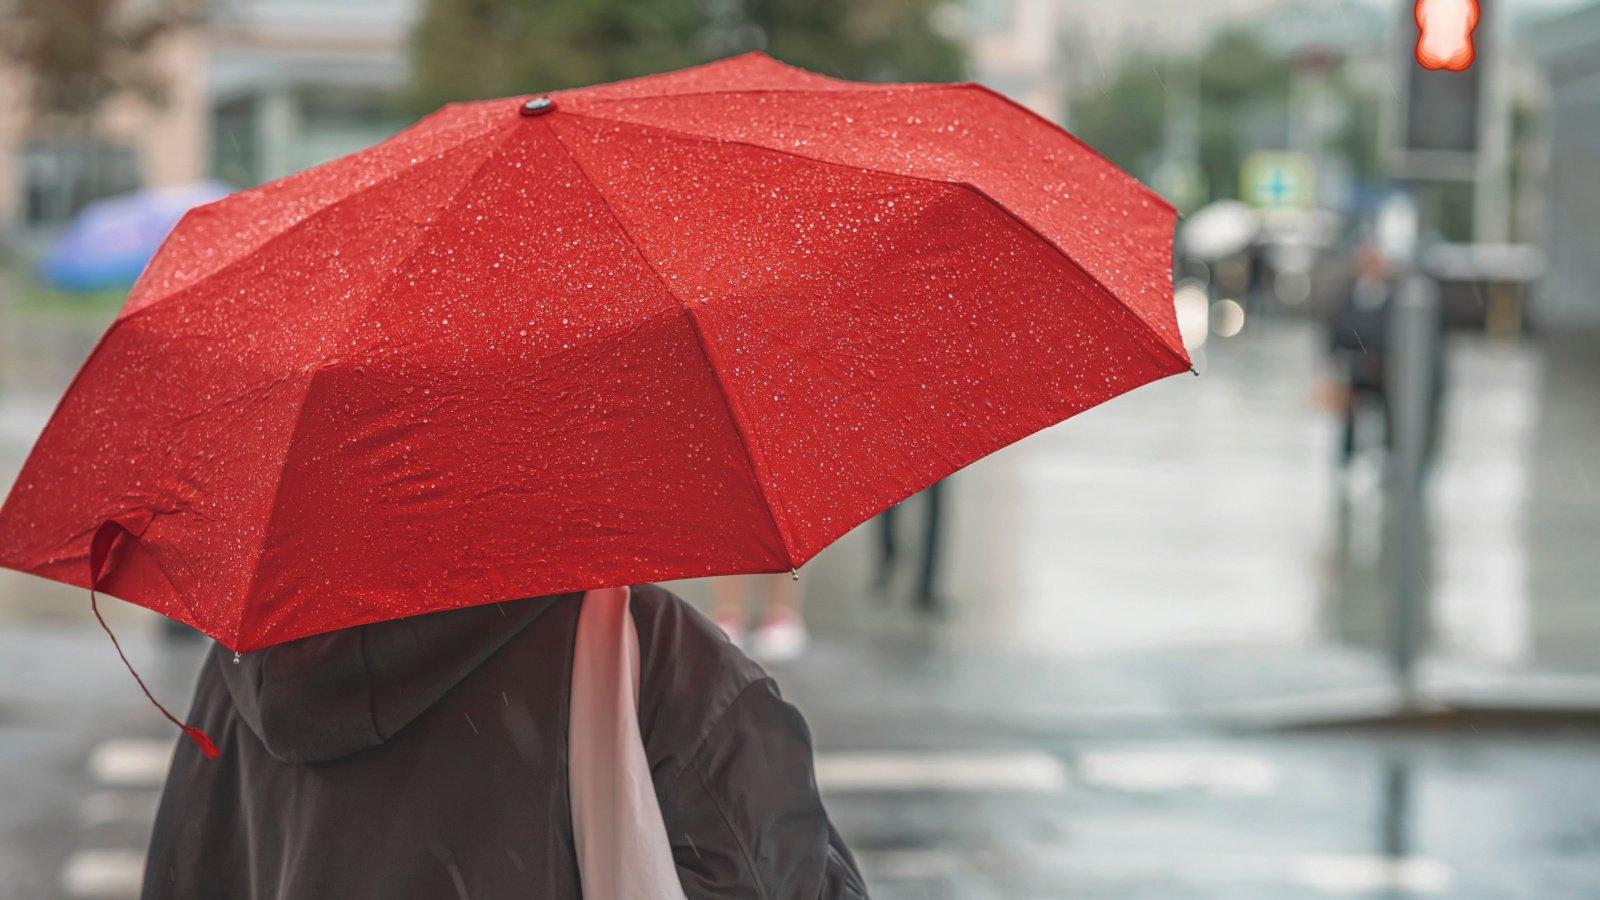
103,873
1028,772
109,807
131,762
1144,771
911,864
1364,874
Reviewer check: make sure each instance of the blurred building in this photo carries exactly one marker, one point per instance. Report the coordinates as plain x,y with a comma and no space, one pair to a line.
293,83
254,90
47,173
257,89
1568,51
1015,47
1037,51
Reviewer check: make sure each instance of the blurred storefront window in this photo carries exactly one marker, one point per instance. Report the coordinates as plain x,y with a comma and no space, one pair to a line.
61,177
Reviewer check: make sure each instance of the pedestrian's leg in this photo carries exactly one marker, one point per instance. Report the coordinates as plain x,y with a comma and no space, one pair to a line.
927,598
1385,413
728,607
1347,446
782,635
886,549
1381,399
785,598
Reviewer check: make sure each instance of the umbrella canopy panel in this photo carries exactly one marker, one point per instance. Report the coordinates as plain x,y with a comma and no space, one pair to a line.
693,324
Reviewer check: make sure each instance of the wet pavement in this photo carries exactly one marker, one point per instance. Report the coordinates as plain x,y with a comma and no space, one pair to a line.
1488,816
950,808
1185,555
1133,598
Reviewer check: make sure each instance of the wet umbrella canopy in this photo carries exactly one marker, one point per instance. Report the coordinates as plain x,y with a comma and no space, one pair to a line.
698,323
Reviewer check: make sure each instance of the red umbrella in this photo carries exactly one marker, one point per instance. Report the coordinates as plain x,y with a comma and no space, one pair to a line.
699,323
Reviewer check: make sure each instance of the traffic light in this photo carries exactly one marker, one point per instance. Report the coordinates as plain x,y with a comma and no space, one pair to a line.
1439,125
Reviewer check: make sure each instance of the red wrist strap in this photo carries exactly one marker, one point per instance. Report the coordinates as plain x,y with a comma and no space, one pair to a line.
99,549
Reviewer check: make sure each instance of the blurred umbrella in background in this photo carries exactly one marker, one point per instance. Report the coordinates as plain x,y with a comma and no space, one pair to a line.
1219,230
110,241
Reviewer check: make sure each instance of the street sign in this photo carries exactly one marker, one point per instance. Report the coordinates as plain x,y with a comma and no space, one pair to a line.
1278,179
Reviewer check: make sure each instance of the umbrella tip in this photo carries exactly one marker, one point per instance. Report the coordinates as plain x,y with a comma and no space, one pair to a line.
1193,371
537,106
794,574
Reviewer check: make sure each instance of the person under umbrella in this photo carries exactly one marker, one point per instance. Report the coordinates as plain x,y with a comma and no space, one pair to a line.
690,325
1360,345
427,757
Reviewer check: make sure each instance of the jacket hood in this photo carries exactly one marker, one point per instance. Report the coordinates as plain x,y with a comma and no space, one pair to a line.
331,695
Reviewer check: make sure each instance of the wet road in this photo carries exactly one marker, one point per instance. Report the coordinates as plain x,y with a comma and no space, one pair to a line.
1484,817
1126,592
951,808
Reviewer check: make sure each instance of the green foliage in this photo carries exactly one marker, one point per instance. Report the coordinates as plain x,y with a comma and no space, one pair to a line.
78,53
1236,71
22,293
1361,141
471,49
863,40
1126,122
1237,78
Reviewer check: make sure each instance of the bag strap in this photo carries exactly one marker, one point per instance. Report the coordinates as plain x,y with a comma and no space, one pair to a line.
621,839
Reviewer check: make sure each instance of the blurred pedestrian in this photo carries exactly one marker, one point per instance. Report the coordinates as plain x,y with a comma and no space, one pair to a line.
781,635
926,594
427,757
1358,342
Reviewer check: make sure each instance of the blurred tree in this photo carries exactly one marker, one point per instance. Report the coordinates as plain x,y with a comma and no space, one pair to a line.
79,53
1237,75
863,40
1127,120
469,49
1360,143
76,55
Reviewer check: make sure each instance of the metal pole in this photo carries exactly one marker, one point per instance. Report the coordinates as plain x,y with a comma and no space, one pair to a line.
1411,375
1491,201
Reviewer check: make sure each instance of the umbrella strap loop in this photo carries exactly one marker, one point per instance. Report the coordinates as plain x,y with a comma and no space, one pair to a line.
99,548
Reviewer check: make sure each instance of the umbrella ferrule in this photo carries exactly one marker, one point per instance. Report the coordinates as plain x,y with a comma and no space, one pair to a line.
537,106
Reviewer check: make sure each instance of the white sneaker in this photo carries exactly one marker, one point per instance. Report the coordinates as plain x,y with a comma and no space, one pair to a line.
732,627
781,638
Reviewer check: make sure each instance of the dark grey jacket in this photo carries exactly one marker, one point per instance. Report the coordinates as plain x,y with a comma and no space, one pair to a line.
426,758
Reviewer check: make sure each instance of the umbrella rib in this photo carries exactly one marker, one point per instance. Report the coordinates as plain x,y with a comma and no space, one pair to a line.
740,428
276,237
846,87
294,433
980,193
909,88
996,95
